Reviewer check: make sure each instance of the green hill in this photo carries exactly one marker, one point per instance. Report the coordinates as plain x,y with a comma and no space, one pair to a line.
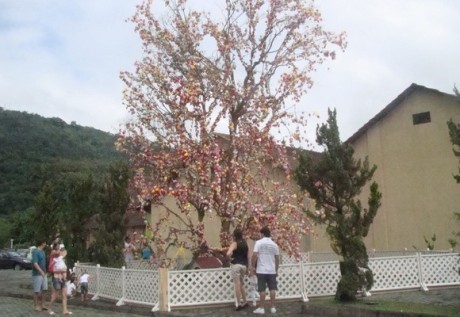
32,146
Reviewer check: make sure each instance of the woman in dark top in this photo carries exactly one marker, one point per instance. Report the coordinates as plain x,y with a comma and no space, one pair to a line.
238,252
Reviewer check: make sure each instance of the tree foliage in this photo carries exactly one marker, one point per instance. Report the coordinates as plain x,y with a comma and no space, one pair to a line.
454,134
54,179
82,200
62,209
238,75
31,145
5,234
46,217
22,227
107,247
65,205
334,181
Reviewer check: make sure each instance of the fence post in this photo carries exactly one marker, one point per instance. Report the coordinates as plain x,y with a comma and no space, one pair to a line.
121,301
302,282
420,273
163,292
98,282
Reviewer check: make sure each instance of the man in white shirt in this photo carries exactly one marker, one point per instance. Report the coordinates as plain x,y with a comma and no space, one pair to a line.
265,263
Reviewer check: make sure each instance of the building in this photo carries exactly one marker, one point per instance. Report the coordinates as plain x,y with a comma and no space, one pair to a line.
409,142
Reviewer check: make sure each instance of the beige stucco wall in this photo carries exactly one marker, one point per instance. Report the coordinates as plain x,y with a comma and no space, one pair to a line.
212,223
415,164
211,227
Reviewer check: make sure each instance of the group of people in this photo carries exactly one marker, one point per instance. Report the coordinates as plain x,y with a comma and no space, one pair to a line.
130,248
262,266
262,269
59,278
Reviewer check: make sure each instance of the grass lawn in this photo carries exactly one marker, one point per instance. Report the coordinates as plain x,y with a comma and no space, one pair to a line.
394,306
432,310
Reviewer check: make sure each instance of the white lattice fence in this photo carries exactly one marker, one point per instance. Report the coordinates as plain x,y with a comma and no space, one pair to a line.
194,287
395,273
320,279
92,271
212,286
440,269
289,281
141,286
110,283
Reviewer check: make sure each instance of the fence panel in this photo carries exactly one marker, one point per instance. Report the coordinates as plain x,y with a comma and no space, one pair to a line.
215,286
194,287
289,282
440,269
110,283
395,273
141,286
320,279
92,271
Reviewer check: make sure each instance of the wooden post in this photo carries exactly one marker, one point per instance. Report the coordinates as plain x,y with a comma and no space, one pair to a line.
164,289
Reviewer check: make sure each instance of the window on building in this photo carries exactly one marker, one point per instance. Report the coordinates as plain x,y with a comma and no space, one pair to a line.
422,117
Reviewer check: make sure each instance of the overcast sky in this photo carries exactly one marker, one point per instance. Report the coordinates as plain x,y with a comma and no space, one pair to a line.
62,58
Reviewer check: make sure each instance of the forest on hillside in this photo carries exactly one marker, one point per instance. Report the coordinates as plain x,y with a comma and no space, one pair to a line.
54,178
33,147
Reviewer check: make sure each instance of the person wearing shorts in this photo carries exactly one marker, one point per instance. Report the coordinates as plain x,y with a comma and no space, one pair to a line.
238,252
266,259
39,279
83,282
59,284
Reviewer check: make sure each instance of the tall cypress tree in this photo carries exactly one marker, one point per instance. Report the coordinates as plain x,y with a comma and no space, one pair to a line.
107,247
334,181
454,134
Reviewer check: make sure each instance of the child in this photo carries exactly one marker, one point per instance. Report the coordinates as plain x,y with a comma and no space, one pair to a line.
71,288
83,282
253,295
60,268
146,252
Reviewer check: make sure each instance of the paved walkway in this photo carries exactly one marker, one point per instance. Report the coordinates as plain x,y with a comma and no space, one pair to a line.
16,300
15,307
